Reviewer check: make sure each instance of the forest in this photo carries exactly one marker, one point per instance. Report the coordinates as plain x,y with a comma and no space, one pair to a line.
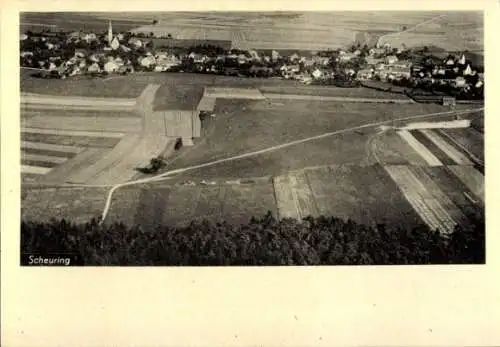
261,241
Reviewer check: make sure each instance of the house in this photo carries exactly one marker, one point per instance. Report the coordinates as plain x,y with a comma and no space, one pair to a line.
135,42
399,73
26,54
402,64
260,70
115,44
292,68
275,55
74,36
242,59
365,74
89,37
468,71
254,55
391,59
80,53
75,71
119,61
305,79
346,57
376,51
160,68
308,62
460,82
110,66
94,68
52,66
439,71
94,58
168,61
350,72
197,58
462,61
370,60
147,61
294,57
317,74
125,48
449,62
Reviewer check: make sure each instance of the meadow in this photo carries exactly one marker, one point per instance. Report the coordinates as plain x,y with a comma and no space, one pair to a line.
74,21
246,126
453,31
302,31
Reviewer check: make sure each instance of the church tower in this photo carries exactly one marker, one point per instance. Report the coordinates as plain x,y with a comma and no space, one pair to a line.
110,33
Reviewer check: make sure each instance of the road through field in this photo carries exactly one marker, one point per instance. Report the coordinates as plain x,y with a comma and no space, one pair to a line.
166,175
409,29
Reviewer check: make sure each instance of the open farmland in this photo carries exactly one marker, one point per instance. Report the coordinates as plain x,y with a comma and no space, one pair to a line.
60,136
245,126
75,21
330,91
178,205
75,204
115,86
453,31
278,30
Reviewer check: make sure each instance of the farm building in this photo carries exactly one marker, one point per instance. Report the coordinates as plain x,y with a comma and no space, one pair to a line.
179,112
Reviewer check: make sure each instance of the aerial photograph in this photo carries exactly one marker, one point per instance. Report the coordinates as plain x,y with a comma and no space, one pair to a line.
252,138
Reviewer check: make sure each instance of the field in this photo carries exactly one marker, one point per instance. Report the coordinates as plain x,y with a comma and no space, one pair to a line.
244,126
76,204
301,31
449,31
115,86
398,177
74,21
179,205
331,91
283,31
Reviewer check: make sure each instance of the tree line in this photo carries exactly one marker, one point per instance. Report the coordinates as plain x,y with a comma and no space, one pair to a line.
261,241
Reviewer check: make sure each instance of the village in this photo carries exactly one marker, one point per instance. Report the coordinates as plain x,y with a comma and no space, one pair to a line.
62,55
173,121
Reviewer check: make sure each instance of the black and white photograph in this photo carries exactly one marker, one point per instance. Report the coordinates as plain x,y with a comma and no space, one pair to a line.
270,138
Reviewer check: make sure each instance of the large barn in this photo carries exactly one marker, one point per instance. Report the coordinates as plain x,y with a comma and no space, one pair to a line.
177,106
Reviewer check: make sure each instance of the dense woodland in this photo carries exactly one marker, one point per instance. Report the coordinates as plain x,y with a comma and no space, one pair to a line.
262,241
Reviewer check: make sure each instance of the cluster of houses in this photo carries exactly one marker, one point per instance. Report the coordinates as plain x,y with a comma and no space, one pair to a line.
124,53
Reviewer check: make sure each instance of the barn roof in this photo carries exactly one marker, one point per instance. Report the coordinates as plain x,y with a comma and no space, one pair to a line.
178,97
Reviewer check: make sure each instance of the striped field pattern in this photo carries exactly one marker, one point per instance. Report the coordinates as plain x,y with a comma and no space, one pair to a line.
457,156
425,204
420,148
52,156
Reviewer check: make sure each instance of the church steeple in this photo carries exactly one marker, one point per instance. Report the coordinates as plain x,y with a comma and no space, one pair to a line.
110,33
